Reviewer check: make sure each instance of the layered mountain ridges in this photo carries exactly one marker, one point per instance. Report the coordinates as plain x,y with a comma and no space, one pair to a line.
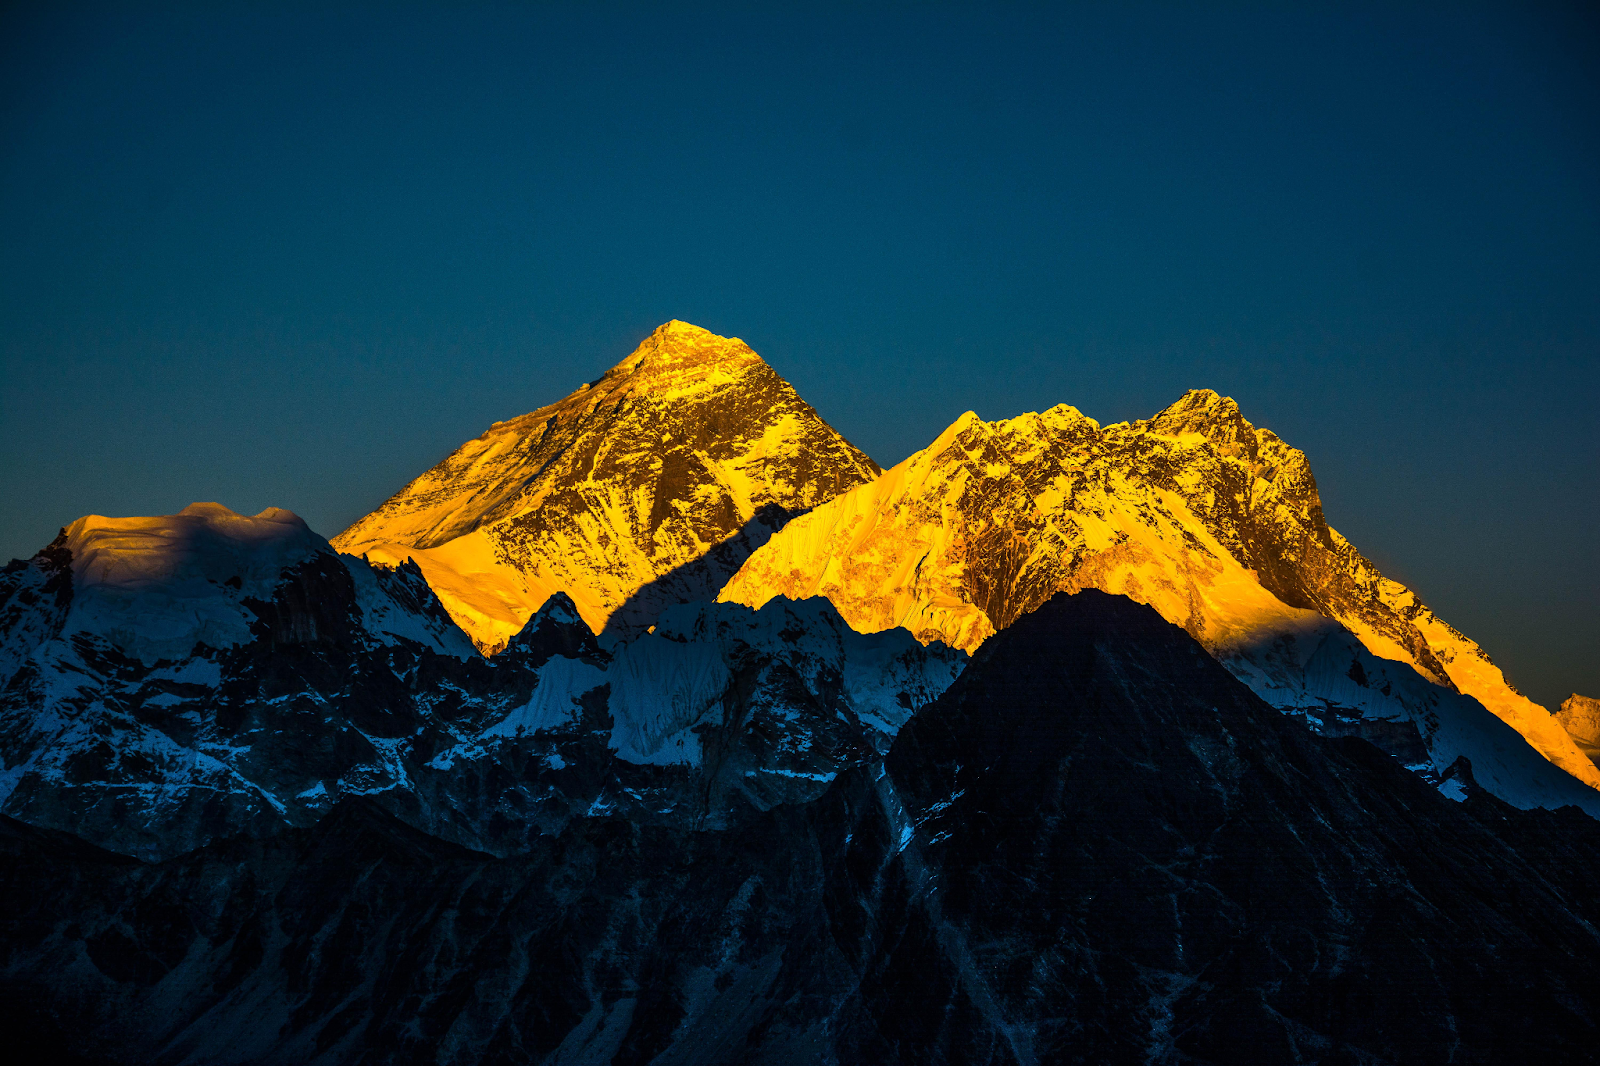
171,680
644,488
648,490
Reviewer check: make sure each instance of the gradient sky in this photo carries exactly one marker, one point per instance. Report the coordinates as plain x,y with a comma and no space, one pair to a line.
294,259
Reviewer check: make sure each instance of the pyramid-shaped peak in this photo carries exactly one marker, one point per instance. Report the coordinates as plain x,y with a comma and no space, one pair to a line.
616,493
679,326
1207,400
677,337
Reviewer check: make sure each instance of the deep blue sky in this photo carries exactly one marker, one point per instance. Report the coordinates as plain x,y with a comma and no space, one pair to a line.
294,259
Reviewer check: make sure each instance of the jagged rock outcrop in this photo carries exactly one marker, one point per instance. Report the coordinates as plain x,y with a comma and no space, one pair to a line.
645,488
173,680
1096,846
1580,717
1212,521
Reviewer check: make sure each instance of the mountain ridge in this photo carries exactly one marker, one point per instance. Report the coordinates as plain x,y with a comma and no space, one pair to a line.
1215,522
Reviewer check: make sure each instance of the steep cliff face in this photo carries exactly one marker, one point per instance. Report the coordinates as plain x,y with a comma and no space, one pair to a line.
1215,523
1095,847
645,488
173,680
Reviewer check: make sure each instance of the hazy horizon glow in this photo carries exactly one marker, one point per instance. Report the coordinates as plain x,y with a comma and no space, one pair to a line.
294,259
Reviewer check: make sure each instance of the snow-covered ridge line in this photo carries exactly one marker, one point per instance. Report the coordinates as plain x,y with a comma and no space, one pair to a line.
1196,512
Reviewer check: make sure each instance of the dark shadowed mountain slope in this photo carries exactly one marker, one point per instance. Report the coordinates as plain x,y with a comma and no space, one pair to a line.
1096,847
1128,854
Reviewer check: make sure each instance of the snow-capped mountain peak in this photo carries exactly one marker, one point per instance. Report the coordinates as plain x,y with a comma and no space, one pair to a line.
157,588
646,487
168,680
203,542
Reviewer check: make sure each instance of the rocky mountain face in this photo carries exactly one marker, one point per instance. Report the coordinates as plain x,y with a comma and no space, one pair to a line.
1096,846
1580,717
645,488
170,681
1213,522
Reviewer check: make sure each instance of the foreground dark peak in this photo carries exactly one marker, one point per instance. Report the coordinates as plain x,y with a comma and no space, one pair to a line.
1249,891
1096,847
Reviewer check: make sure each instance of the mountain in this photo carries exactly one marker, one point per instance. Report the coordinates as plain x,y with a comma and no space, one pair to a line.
1096,846
644,488
1213,522
170,681
153,679
1580,717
